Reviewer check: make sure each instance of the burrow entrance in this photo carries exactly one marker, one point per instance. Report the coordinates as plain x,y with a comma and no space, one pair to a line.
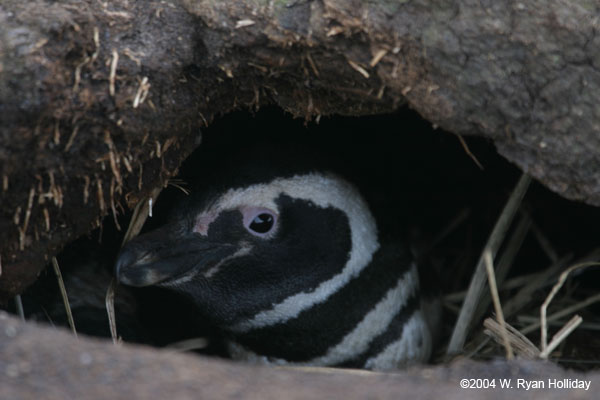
439,192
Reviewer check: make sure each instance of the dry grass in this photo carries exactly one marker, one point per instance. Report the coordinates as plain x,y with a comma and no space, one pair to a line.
110,310
477,284
19,307
140,213
63,293
188,345
521,296
503,333
489,266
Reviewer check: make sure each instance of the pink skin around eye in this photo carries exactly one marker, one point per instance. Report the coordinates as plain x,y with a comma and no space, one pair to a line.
203,221
250,213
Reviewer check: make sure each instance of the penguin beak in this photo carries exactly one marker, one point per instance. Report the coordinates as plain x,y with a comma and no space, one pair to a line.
161,256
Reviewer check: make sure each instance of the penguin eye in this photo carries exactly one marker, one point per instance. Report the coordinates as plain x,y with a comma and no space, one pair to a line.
262,223
259,221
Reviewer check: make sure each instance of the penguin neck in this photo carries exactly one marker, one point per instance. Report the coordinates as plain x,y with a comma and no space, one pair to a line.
349,327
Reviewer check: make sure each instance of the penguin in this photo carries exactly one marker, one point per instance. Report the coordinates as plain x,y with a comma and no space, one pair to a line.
288,265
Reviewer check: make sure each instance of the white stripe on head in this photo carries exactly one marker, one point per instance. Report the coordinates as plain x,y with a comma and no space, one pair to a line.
406,350
374,323
323,190
244,250
413,346
191,274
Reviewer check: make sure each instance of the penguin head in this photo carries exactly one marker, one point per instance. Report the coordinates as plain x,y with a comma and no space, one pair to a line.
249,254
